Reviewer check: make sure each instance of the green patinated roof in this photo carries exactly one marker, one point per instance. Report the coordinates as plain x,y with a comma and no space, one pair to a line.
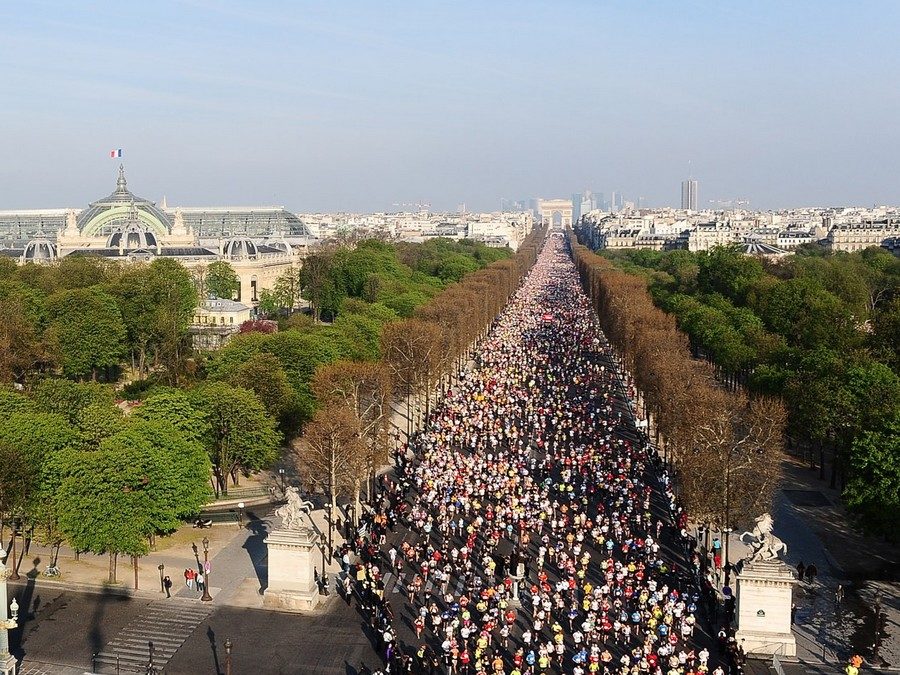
112,212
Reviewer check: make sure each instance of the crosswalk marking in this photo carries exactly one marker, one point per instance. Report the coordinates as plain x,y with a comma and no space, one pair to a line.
167,624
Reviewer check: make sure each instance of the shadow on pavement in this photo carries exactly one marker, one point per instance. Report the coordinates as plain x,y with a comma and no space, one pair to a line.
28,607
256,548
211,635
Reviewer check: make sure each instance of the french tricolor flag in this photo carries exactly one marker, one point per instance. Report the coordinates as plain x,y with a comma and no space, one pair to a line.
115,153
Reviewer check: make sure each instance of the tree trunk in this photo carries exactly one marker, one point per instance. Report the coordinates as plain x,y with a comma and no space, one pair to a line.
112,566
134,560
356,490
835,460
14,574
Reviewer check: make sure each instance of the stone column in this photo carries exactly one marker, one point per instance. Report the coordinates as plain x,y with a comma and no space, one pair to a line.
292,585
763,610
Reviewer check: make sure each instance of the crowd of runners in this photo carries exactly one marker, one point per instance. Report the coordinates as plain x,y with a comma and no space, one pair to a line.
538,533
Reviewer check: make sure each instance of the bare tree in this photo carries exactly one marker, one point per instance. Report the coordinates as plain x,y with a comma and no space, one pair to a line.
364,390
331,454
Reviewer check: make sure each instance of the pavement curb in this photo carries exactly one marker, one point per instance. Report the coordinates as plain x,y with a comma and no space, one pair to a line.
96,589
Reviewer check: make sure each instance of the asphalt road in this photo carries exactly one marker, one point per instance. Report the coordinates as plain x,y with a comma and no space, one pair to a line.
66,627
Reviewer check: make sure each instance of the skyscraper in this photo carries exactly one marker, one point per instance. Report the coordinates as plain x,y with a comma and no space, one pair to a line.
690,191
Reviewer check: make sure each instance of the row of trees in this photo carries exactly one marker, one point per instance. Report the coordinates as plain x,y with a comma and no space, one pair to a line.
818,330
348,438
724,445
399,276
85,316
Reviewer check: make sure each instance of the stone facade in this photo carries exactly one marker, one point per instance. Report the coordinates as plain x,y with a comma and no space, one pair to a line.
763,610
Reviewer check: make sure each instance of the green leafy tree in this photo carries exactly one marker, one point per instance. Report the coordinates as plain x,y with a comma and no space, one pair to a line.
97,421
88,326
318,284
103,500
69,399
221,280
263,375
175,407
13,402
141,481
725,270
240,434
284,295
157,302
872,491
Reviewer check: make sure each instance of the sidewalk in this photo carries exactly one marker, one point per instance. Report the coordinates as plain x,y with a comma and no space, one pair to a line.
810,518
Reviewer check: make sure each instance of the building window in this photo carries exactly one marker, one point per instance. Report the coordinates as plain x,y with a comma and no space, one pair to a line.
253,288
231,319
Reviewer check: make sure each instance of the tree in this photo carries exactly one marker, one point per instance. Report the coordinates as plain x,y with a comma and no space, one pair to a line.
37,438
317,284
69,399
733,470
221,280
174,406
104,504
284,295
88,326
410,348
263,375
22,346
138,482
240,435
871,492
331,454
97,421
364,390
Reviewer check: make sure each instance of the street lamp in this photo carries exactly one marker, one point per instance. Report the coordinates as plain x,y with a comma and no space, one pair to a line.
162,583
240,514
283,488
206,596
328,508
7,660
228,646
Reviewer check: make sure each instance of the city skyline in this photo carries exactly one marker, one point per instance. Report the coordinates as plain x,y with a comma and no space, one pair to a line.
357,107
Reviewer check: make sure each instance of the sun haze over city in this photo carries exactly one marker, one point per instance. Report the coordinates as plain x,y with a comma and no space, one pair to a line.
357,106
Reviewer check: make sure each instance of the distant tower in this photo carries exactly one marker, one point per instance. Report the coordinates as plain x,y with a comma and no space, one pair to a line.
690,191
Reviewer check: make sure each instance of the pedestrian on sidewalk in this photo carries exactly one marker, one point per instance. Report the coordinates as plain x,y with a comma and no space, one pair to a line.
200,582
801,570
167,584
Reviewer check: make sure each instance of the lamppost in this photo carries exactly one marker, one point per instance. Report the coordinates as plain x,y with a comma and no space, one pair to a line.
328,509
206,597
240,514
162,583
7,660
283,487
14,573
228,646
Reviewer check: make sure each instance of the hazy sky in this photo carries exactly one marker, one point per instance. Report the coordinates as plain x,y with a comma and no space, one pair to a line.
342,105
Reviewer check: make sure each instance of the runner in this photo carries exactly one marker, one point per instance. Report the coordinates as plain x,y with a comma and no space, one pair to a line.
526,480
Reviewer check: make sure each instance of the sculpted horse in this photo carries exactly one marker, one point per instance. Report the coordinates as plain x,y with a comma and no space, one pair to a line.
764,544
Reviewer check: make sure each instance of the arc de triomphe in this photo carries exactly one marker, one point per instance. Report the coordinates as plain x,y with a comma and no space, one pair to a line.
550,207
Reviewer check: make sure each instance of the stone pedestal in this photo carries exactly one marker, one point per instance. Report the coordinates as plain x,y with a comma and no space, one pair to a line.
292,585
763,609
8,664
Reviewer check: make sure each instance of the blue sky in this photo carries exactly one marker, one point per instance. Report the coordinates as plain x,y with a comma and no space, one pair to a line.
347,105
